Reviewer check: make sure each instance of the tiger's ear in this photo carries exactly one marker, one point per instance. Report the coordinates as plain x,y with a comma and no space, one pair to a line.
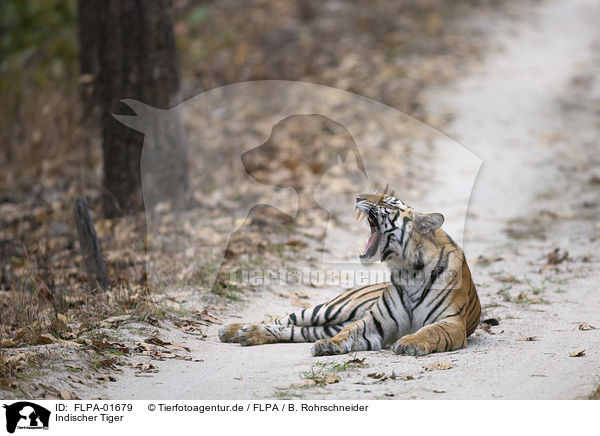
428,222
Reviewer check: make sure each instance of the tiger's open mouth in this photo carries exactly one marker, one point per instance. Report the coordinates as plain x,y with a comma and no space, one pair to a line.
373,243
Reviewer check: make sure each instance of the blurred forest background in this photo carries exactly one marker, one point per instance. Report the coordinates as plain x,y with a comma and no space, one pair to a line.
370,48
62,72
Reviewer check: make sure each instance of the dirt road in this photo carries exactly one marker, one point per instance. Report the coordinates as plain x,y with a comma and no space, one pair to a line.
530,113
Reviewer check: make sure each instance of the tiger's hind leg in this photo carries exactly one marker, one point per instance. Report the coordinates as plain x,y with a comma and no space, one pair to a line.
258,334
265,333
308,325
229,332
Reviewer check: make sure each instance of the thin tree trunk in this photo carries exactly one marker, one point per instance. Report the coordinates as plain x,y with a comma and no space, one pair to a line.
90,246
136,60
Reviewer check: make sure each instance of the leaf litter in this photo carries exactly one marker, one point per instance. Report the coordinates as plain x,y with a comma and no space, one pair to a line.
439,365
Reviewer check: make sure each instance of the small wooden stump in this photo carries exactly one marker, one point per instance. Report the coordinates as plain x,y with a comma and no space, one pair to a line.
90,246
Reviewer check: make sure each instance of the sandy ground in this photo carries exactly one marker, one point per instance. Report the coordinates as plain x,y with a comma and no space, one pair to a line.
530,114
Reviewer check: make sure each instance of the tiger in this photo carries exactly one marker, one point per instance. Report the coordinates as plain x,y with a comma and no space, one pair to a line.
429,305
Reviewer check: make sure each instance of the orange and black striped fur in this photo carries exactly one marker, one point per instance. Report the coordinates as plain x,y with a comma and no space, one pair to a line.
430,305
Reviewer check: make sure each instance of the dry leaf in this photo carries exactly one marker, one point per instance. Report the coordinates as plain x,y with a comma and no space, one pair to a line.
300,295
105,378
115,321
296,242
157,341
527,338
6,343
76,379
328,378
508,279
485,261
586,326
69,343
102,345
108,362
356,362
438,365
160,355
555,257
206,318
299,303
145,367
45,339
65,395
577,353
527,299
192,330
178,347
594,180
331,378
304,384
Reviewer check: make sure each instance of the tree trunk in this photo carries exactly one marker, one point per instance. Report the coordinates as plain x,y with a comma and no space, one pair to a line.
90,246
137,60
89,29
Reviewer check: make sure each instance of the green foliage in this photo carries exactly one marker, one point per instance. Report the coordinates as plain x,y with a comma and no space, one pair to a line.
197,16
40,36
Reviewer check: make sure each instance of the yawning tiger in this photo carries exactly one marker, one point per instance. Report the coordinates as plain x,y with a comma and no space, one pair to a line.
430,305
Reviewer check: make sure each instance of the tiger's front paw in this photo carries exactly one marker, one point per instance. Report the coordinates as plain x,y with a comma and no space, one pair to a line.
229,333
255,334
327,347
409,345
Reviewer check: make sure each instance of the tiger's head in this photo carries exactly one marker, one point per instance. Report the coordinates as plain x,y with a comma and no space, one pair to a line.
393,225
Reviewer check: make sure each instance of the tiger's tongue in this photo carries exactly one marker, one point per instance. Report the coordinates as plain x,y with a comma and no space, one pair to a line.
371,241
